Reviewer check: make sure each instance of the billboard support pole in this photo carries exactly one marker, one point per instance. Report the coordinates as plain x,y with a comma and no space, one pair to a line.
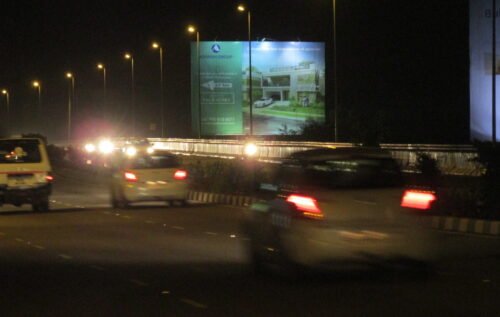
199,83
335,88
250,71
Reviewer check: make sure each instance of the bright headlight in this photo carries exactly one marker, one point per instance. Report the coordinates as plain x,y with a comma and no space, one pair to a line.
250,149
106,147
131,151
150,150
89,147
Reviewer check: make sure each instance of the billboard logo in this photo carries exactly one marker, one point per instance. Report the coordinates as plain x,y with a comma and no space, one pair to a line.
216,48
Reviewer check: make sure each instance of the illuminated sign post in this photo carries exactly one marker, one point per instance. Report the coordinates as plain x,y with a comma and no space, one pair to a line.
288,87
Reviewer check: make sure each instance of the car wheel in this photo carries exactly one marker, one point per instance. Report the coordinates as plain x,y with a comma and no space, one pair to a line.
41,205
118,200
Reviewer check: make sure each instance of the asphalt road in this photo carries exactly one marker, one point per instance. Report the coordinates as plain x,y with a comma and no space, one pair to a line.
85,259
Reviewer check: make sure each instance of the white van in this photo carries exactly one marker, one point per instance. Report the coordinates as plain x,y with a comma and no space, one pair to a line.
25,173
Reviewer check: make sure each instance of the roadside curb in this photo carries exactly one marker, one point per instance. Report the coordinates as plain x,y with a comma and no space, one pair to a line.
453,224
233,200
466,225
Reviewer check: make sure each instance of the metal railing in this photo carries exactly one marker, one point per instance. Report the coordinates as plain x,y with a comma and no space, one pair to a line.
451,159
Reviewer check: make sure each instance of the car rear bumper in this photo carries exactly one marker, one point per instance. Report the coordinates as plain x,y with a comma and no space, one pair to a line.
174,192
24,195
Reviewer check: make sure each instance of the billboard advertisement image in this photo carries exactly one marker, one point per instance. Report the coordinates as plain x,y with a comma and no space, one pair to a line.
288,87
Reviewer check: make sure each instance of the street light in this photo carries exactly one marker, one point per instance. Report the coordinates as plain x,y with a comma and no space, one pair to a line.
5,92
38,86
191,29
157,46
71,93
101,67
242,8
131,58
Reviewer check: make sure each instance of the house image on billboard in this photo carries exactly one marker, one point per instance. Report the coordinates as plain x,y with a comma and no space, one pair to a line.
286,83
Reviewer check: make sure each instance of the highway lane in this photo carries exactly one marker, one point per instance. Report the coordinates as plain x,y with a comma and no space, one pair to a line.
85,259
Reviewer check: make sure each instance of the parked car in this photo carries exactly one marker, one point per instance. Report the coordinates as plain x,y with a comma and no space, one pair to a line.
147,176
342,206
263,102
25,173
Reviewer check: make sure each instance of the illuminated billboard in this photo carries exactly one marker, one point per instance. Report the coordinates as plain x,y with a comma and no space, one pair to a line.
481,69
288,87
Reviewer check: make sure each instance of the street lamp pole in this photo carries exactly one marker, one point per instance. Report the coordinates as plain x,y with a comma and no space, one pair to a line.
192,29
38,86
132,83
101,67
71,92
7,99
242,8
162,111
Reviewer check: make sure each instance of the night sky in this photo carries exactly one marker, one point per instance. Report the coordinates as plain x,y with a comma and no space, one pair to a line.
402,65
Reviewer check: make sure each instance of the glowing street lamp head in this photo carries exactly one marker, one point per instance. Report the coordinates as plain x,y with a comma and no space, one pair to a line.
100,66
36,84
4,91
191,29
69,75
241,8
127,56
155,45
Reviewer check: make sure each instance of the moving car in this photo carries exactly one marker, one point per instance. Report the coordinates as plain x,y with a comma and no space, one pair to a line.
25,173
345,206
147,176
263,102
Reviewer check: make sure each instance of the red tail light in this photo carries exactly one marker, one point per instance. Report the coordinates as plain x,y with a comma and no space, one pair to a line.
129,176
418,199
49,177
180,174
307,205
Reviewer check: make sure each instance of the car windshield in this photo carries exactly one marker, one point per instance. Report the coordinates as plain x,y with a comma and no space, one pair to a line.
19,151
153,161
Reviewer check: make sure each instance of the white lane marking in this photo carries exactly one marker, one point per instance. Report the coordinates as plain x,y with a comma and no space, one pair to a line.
165,292
232,236
117,214
65,256
177,227
38,247
138,282
97,267
193,303
19,240
211,233
149,221
128,217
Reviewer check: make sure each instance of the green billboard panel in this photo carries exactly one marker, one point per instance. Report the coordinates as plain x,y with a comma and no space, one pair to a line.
216,88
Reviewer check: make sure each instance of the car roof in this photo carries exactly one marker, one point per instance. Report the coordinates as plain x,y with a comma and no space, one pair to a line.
20,138
340,153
